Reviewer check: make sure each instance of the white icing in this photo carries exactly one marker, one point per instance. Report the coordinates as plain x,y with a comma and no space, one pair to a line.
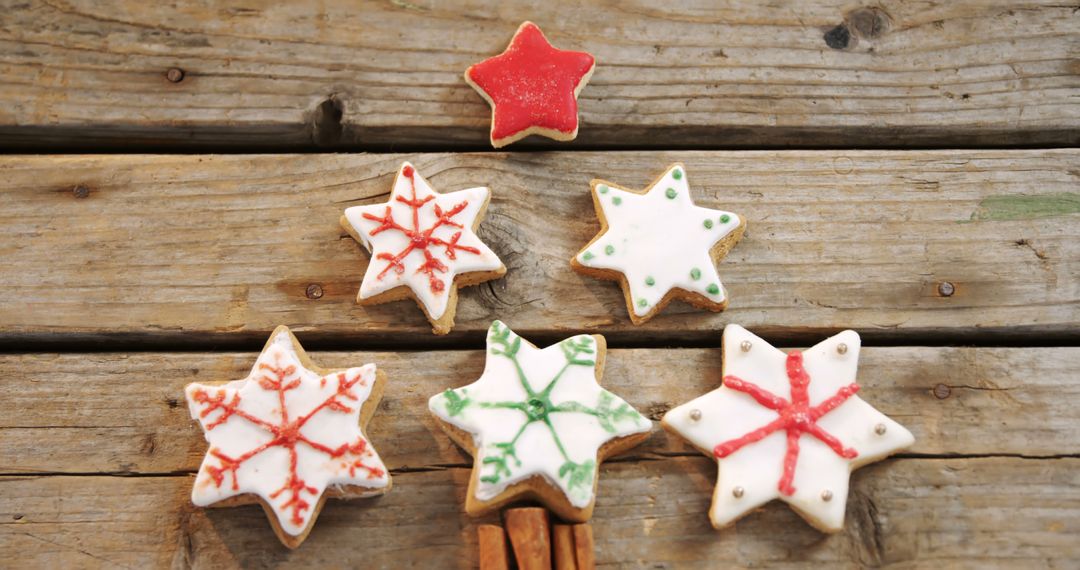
757,468
580,433
267,472
392,242
652,236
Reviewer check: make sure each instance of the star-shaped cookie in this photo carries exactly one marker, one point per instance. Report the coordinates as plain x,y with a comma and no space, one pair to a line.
659,245
287,436
786,426
423,245
532,88
538,424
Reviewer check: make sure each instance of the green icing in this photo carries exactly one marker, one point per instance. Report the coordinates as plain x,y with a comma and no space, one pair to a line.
609,249
616,200
695,274
725,219
670,193
708,224
587,256
642,303
676,174
602,189
537,408
650,281
713,289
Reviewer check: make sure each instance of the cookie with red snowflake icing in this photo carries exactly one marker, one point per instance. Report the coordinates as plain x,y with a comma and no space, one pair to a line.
538,424
532,87
659,245
423,245
786,426
287,436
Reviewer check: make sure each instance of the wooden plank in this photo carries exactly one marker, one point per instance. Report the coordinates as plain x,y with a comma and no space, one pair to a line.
958,512
125,413
314,74
216,249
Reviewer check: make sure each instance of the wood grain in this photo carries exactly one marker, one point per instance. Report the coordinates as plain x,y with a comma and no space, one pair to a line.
208,250
377,75
125,413
1003,512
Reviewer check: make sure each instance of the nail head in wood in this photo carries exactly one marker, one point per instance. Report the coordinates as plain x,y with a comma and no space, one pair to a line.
946,289
174,75
314,291
80,191
942,391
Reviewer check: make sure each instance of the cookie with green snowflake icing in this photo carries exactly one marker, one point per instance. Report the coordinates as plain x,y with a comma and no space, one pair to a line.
538,424
659,245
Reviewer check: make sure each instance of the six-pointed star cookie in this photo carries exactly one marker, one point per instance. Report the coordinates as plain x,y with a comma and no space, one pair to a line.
659,245
423,245
532,87
285,434
786,426
538,423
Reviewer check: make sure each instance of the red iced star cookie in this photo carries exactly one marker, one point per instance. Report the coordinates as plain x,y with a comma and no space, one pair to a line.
532,87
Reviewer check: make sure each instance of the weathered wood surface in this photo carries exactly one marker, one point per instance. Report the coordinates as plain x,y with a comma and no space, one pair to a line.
1002,512
314,74
213,249
125,414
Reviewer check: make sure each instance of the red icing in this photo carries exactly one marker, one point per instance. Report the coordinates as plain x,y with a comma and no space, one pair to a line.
532,84
421,239
286,432
796,417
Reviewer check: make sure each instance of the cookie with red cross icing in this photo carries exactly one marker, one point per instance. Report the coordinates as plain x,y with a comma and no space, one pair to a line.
423,245
786,426
659,245
288,436
532,87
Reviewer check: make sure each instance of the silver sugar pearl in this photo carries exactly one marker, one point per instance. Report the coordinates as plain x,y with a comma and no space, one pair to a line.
879,429
826,495
841,348
737,492
695,415
745,346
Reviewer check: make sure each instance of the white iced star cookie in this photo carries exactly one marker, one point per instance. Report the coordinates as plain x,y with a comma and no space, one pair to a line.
538,424
423,245
288,436
786,426
659,245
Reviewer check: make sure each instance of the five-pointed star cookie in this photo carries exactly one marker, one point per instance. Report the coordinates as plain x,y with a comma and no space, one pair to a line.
532,87
538,423
659,245
287,436
786,426
423,245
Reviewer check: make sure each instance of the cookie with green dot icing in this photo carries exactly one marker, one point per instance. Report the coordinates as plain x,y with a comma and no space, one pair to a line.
538,424
659,245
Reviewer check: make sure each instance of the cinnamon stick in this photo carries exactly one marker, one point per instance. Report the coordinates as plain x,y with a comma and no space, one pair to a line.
583,547
562,540
493,554
530,536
